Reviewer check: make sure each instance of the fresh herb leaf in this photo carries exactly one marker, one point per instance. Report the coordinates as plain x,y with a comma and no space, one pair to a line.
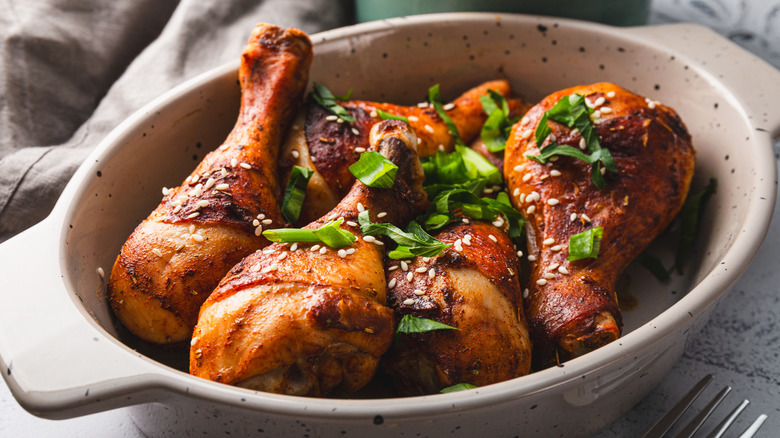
374,170
385,116
330,234
458,387
461,166
655,266
586,244
412,324
435,100
691,217
295,193
495,130
327,100
414,240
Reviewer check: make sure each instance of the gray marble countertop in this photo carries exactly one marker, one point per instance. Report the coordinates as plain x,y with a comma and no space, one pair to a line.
740,345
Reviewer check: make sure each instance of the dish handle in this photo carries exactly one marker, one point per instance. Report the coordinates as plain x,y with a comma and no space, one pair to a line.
751,80
57,365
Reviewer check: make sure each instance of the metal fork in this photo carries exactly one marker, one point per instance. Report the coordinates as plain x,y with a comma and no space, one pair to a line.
666,422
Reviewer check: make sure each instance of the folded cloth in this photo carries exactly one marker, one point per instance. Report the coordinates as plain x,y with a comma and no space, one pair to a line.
72,70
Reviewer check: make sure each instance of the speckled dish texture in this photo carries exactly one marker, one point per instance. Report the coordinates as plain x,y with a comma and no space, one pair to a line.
726,96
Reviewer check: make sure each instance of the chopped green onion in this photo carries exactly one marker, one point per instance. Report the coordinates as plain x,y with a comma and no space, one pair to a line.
586,244
573,112
412,324
414,241
496,129
691,217
295,193
458,387
374,170
330,234
387,116
327,100
655,266
435,100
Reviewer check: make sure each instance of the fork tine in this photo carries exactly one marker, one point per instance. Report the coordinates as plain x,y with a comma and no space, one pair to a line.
663,425
726,423
750,431
702,416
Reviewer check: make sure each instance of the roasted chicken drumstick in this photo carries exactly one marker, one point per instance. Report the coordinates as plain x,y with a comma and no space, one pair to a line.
572,307
175,258
474,287
304,319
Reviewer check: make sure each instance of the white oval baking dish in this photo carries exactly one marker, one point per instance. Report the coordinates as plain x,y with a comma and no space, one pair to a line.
60,350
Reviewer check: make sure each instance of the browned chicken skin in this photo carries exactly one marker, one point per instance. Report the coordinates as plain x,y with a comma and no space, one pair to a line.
572,307
329,147
306,320
474,288
176,257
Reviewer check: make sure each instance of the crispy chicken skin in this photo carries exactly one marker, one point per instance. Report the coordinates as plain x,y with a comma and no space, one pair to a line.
304,320
175,258
475,290
329,147
572,307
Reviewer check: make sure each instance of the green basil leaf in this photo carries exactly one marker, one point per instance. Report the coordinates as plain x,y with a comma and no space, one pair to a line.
415,240
387,116
327,100
295,193
492,133
412,324
374,170
436,221
480,164
330,234
435,100
586,244
691,217
458,387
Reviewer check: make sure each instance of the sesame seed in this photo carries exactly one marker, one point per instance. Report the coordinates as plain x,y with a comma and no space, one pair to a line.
369,239
191,229
534,196
555,172
360,207
583,144
426,259
526,177
188,179
605,110
419,140
246,165
556,248
391,283
548,241
492,237
553,137
360,150
177,208
518,168
553,201
421,269
531,258
221,187
610,94
342,253
195,178
525,293
193,215
573,217
541,282
519,253
422,105
392,268
351,223
466,220
165,191
585,217
554,266
351,251
223,172
331,118
516,192
315,247
651,105
267,221
448,106
409,276
209,183
294,247
431,273
261,216
603,170
563,270
295,154
408,301
413,118
157,252
373,113
259,230
202,203
418,292
339,120
197,238
525,133
531,209
281,256
524,121
404,266
255,222
234,162
596,114
355,131
382,214
599,101
522,198
549,276
101,272
440,147
323,250
197,191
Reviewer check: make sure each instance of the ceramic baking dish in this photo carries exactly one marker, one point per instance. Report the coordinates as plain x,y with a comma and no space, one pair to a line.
63,355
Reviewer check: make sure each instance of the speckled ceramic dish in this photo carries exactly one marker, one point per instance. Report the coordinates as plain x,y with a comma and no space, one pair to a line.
63,356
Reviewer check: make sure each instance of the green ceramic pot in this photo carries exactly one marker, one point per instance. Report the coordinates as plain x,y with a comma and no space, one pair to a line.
615,12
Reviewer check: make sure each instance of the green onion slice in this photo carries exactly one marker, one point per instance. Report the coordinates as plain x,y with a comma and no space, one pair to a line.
435,100
412,324
327,100
374,170
458,387
414,241
330,234
295,193
586,244
387,116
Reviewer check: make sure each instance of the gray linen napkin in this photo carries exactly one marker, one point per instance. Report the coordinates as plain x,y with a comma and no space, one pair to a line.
72,70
